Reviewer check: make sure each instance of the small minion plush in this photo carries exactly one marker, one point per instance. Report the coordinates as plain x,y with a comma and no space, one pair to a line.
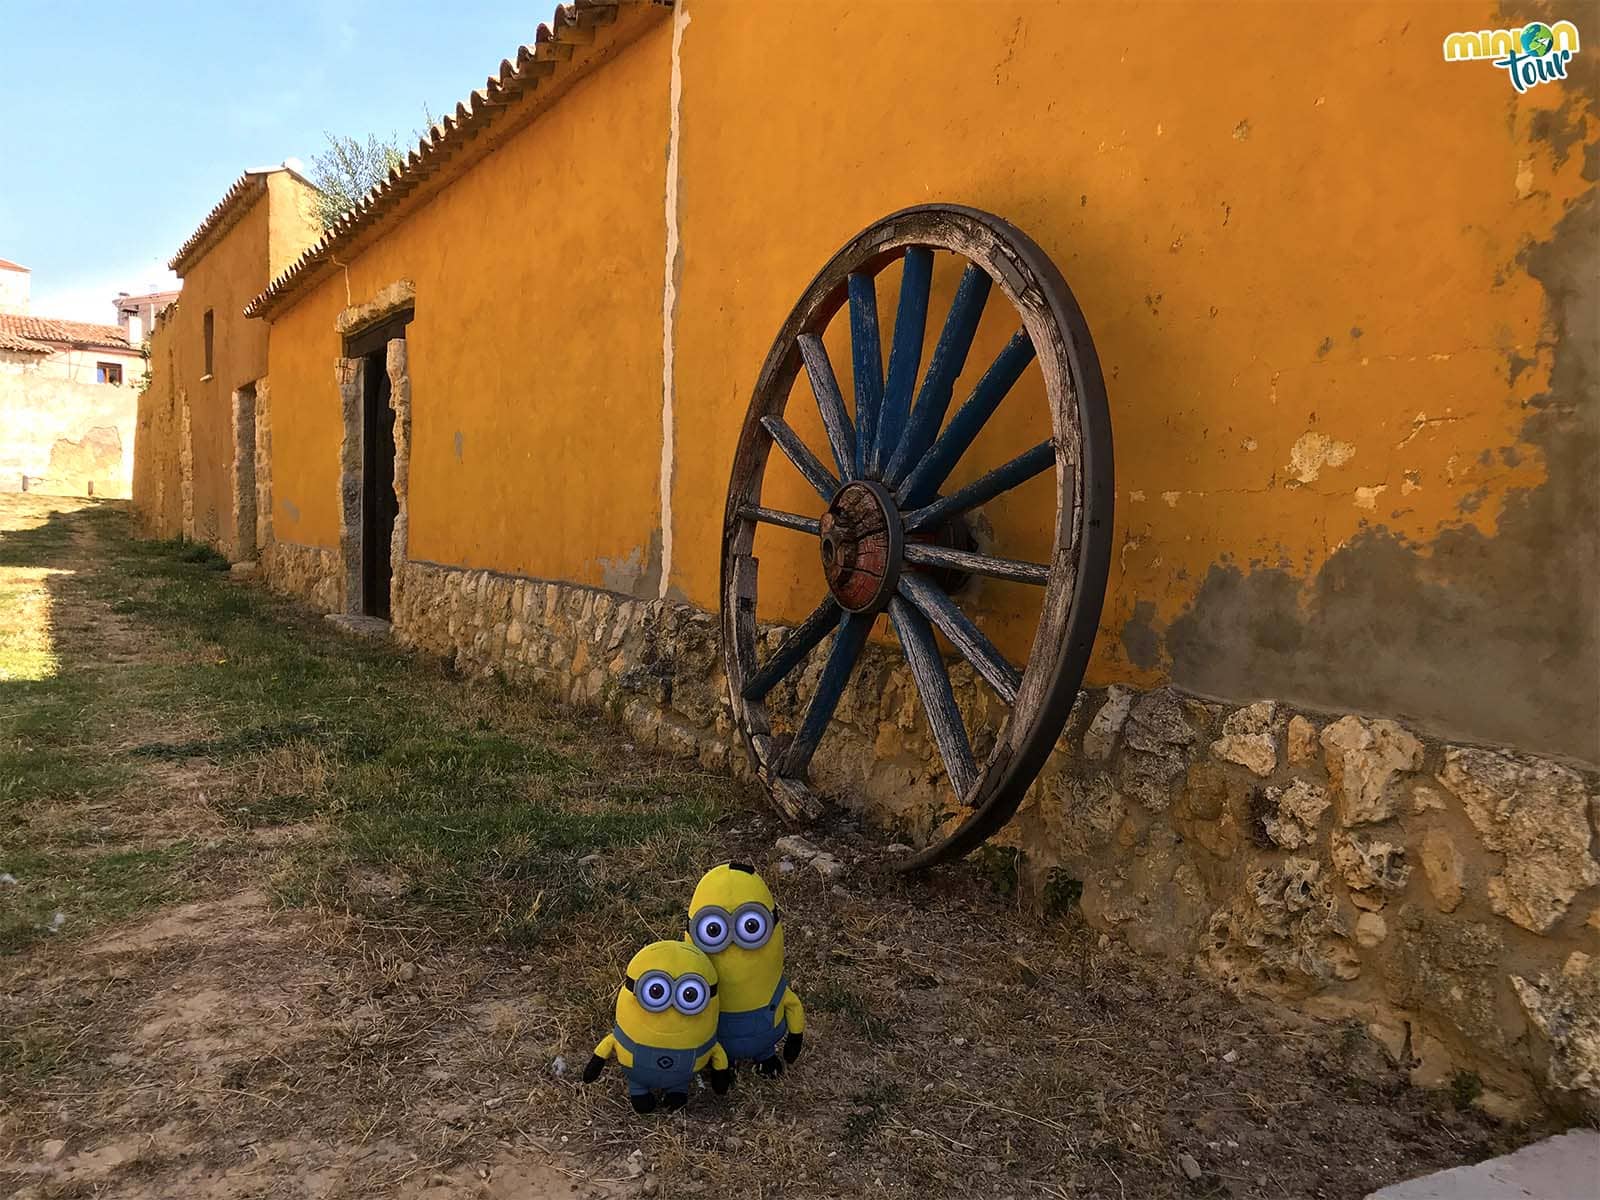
734,921
666,1027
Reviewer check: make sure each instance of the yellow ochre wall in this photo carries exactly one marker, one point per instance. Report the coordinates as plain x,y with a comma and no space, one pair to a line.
157,466
1338,289
276,226
535,351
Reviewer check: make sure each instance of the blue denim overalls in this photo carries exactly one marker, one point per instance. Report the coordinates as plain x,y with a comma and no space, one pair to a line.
751,1035
655,1068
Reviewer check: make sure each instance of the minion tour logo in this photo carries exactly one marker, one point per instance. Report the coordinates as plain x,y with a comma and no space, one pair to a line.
1537,53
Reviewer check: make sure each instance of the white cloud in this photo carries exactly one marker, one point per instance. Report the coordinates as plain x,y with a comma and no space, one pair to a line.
91,295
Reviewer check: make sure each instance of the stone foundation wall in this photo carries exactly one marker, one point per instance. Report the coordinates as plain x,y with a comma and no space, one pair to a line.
1444,896
314,574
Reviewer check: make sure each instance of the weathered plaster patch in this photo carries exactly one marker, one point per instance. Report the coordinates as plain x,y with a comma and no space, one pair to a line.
1499,631
1367,497
1139,638
1313,451
637,574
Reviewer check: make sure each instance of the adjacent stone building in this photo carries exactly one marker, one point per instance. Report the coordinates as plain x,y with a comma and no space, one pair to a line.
1341,734
195,474
67,398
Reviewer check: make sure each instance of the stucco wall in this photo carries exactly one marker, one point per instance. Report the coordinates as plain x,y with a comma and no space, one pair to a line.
157,462
1342,290
273,229
64,438
535,350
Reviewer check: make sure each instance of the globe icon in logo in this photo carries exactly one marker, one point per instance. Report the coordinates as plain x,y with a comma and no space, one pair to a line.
1537,39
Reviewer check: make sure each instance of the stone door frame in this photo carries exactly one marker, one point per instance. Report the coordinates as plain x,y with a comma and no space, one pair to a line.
245,531
349,374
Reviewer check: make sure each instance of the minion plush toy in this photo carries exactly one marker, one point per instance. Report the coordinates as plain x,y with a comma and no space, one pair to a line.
733,919
666,1027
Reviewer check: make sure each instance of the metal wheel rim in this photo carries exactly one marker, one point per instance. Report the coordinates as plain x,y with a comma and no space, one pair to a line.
1081,436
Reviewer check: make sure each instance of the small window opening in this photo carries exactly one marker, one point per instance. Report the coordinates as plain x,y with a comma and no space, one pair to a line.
210,330
108,372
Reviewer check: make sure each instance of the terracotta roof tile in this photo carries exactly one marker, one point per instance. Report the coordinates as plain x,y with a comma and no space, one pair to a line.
22,345
572,25
8,265
52,333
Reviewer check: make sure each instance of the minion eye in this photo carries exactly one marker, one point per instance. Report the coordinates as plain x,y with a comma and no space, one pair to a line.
752,926
654,992
711,931
690,995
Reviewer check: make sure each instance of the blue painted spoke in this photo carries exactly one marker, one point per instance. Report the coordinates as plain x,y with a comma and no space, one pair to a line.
785,520
930,473
973,563
949,357
938,700
966,637
985,488
801,641
800,455
867,360
905,354
847,645
825,386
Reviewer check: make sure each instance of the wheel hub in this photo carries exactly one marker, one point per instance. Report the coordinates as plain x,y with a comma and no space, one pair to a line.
862,540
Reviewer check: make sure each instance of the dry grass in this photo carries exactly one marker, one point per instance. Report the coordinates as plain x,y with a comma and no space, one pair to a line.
330,929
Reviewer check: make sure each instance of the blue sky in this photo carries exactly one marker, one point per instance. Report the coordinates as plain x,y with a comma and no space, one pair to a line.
125,122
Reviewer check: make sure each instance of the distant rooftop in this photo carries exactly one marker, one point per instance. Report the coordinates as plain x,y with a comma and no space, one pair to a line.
46,334
7,265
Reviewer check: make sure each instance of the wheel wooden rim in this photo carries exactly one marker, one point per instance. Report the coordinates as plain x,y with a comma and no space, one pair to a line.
906,450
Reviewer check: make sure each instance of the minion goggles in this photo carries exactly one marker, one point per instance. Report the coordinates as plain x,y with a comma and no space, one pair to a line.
749,926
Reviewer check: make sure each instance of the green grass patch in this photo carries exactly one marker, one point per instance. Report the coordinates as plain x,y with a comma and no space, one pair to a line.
470,794
62,894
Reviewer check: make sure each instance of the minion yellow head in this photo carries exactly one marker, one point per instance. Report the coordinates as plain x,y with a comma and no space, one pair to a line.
733,919
669,996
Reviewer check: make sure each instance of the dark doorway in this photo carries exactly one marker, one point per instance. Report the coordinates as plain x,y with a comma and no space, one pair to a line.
379,505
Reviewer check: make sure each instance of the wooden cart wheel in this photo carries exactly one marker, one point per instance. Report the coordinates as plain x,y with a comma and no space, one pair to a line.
889,541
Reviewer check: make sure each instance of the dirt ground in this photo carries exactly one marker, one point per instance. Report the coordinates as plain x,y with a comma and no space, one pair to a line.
284,914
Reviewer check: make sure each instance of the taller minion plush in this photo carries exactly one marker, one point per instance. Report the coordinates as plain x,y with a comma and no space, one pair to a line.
734,921
666,1027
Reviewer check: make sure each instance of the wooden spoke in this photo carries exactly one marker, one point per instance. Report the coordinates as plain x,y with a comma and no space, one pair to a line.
802,640
985,488
773,516
866,352
935,466
938,701
825,386
949,357
905,354
847,645
800,455
966,637
972,563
